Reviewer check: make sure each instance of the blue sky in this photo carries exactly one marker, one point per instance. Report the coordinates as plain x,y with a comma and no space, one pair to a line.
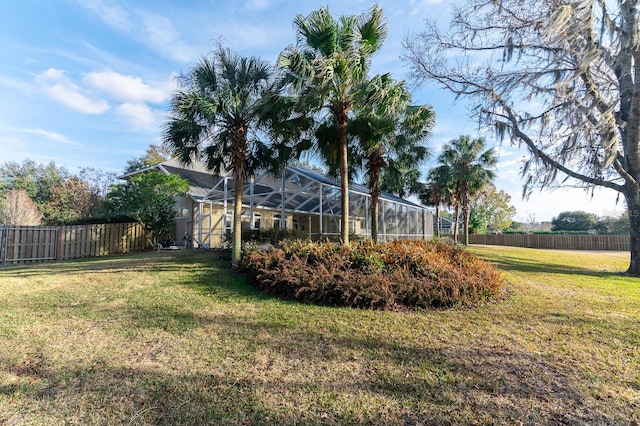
86,83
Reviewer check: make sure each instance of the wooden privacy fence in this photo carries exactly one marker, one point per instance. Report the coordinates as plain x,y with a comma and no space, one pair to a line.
24,244
555,241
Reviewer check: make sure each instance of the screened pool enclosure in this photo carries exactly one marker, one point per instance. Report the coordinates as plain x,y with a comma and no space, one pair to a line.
301,199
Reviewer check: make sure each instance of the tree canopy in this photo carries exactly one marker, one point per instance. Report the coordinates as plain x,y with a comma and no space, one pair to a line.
613,225
149,198
17,208
492,210
61,198
387,138
437,191
70,202
37,179
154,154
574,221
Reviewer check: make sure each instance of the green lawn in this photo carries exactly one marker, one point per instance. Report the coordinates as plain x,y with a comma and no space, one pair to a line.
173,338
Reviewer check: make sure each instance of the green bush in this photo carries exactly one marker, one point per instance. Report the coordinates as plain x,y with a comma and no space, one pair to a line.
401,274
277,235
271,236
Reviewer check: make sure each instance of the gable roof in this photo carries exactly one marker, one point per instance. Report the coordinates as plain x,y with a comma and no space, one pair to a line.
200,179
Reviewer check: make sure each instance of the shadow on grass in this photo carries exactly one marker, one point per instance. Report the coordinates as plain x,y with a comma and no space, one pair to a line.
104,264
207,271
413,384
155,261
147,306
489,383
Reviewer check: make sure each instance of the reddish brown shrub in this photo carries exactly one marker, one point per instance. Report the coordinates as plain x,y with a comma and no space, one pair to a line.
414,274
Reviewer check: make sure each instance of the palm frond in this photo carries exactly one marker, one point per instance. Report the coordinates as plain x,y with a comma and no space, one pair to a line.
373,29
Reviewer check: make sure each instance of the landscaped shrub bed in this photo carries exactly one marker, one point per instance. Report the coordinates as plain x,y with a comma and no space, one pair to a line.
401,274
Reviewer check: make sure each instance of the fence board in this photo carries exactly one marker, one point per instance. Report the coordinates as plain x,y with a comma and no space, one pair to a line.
17,250
555,241
3,244
104,248
40,244
24,244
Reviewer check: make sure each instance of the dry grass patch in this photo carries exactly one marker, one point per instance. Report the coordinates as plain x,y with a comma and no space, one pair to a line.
174,338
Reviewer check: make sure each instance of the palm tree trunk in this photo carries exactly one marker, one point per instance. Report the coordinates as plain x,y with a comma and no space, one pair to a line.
236,248
375,164
239,143
344,176
466,210
465,220
375,209
455,223
437,230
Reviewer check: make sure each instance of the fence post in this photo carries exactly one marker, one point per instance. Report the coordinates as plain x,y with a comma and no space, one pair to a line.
4,239
59,248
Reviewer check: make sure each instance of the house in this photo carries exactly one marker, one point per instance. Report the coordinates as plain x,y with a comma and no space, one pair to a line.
300,199
446,225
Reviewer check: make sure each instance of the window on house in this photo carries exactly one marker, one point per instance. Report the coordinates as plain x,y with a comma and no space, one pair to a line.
229,221
277,220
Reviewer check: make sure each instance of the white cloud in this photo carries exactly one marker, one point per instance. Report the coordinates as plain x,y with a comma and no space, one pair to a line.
54,136
154,30
421,6
126,88
131,94
16,84
38,144
77,101
59,87
258,4
510,163
160,33
54,74
139,116
109,12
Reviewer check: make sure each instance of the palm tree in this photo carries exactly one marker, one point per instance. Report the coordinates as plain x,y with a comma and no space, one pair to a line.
468,161
215,116
437,191
390,134
401,176
327,67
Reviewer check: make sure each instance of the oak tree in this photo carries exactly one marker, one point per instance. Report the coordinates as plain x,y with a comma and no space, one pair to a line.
561,78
